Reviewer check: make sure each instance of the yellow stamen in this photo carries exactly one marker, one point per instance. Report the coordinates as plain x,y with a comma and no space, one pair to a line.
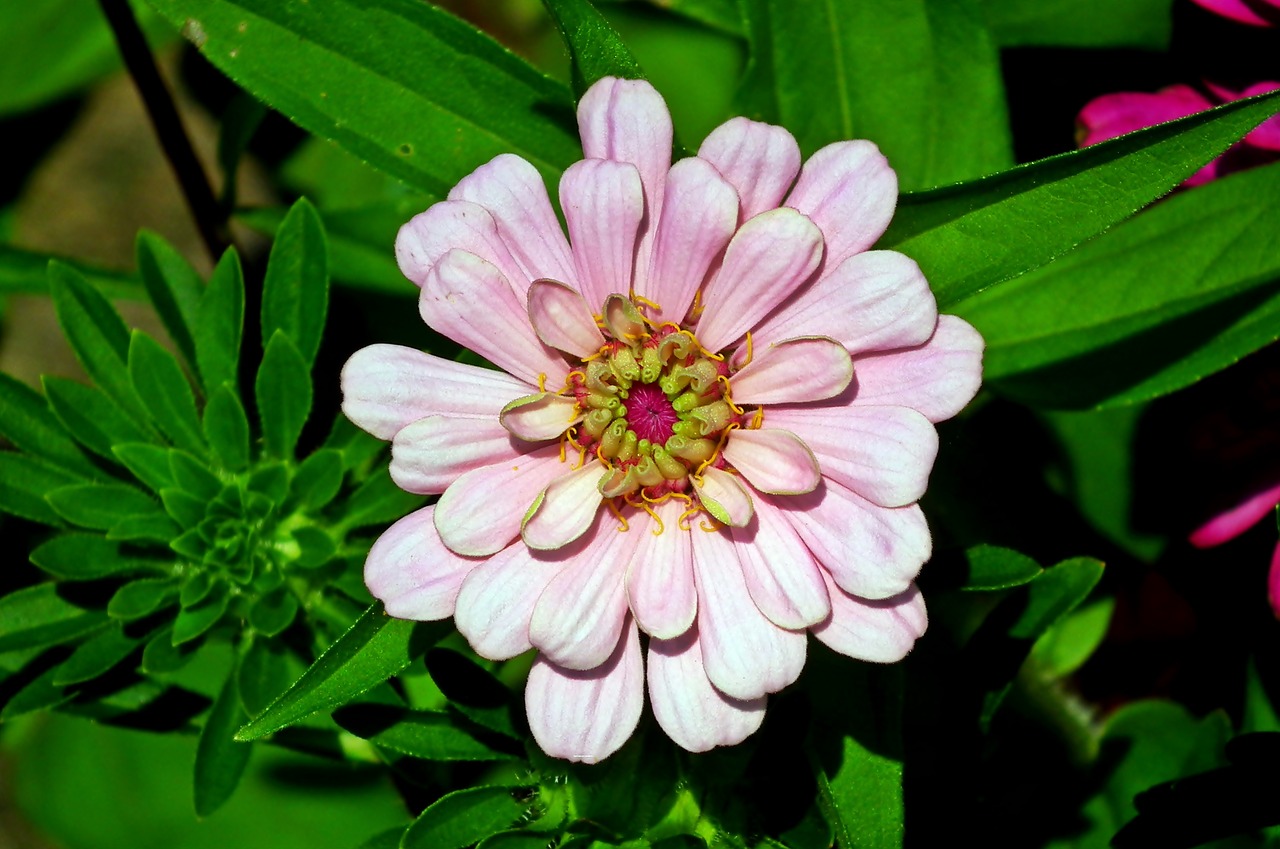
542,382
617,514
688,514
727,395
750,352
657,532
724,437
758,420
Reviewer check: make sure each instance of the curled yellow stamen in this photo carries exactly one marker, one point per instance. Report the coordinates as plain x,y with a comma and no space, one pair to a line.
657,532
750,352
542,382
758,419
617,514
727,395
724,437
682,522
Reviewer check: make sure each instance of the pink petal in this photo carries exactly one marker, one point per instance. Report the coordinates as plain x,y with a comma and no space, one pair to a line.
873,301
565,509
513,192
937,378
773,461
1238,11
468,300
562,319
412,573
781,575
1125,112
759,160
1267,134
870,551
794,371
497,598
482,511
1231,523
699,216
697,716
603,204
587,715
745,655
385,387
628,121
877,631
724,497
850,192
454,225
884,454
538,417
579,615
430,454
768,258
659,578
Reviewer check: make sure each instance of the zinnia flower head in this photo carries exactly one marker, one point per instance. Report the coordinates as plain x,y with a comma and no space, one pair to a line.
715,422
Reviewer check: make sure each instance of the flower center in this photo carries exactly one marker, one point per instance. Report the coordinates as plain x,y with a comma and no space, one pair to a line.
650,413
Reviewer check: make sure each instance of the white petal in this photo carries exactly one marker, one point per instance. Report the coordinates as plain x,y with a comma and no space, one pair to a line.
696,715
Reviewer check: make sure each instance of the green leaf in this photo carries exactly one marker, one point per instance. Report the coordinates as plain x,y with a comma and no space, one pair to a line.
371,651
193,622
1065,647
295,294
25,483
27,422
220,758
186,509
148,463
87,557
174,288
97,655
142,598
972,236
153,527
226,426
995,568
220,324
283,390
402,85
38,694
97,335
1143,24
162,657
472,690
100,505
318,479
1172,295
27,272
39,616
91,417
240,121
193,476
315,547
264,675
595,49
165,392
430,735
921,78
463,817
717,14
273,612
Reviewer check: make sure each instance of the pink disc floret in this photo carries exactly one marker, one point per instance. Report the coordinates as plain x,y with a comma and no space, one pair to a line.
650,414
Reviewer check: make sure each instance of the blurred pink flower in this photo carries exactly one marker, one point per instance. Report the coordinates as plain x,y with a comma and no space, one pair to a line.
1258,13
715,421
1231,523
1124,112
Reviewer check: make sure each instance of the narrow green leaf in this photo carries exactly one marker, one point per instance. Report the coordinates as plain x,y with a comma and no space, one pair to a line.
226,426
186,509
153,527
430,735
295,294
1065,647
1166,298
27,272
162,657
240,121
100,505
318,479
193,622
994,568
1093,24
27,422
142,598
148,463
220,759
220,324
920,78
174,287
595,49
91,417
197,587
375,648
264,675
359,449
39,616
87,557
271,481
717,14
283,390
273,612
193,476
97,335
38,694
97,655
402,85
25,483
165,392
463,817
972,236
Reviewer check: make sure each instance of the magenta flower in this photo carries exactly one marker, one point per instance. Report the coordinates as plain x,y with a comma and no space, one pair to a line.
1124,112
715,422
1233,522
1258,13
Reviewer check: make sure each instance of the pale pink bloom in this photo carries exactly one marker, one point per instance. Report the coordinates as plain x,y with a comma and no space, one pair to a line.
1124,112
1258,13
1231,523
716,418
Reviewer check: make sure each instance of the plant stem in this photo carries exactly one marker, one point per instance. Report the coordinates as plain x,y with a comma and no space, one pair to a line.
165,120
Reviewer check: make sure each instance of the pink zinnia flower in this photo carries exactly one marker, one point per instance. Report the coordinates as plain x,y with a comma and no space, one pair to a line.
714,426
1258,13
1124,112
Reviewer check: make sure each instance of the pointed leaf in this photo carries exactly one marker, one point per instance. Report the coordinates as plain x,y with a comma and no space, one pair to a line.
174,287
87,557
463,817
430,735
318,479
226,426
27,422
142,598
295,294
39,616
219,325
25,483
91,417
193,622
148,463
283,390
165,392
264,675
991,567
100,505
97,655
595,48
220,758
